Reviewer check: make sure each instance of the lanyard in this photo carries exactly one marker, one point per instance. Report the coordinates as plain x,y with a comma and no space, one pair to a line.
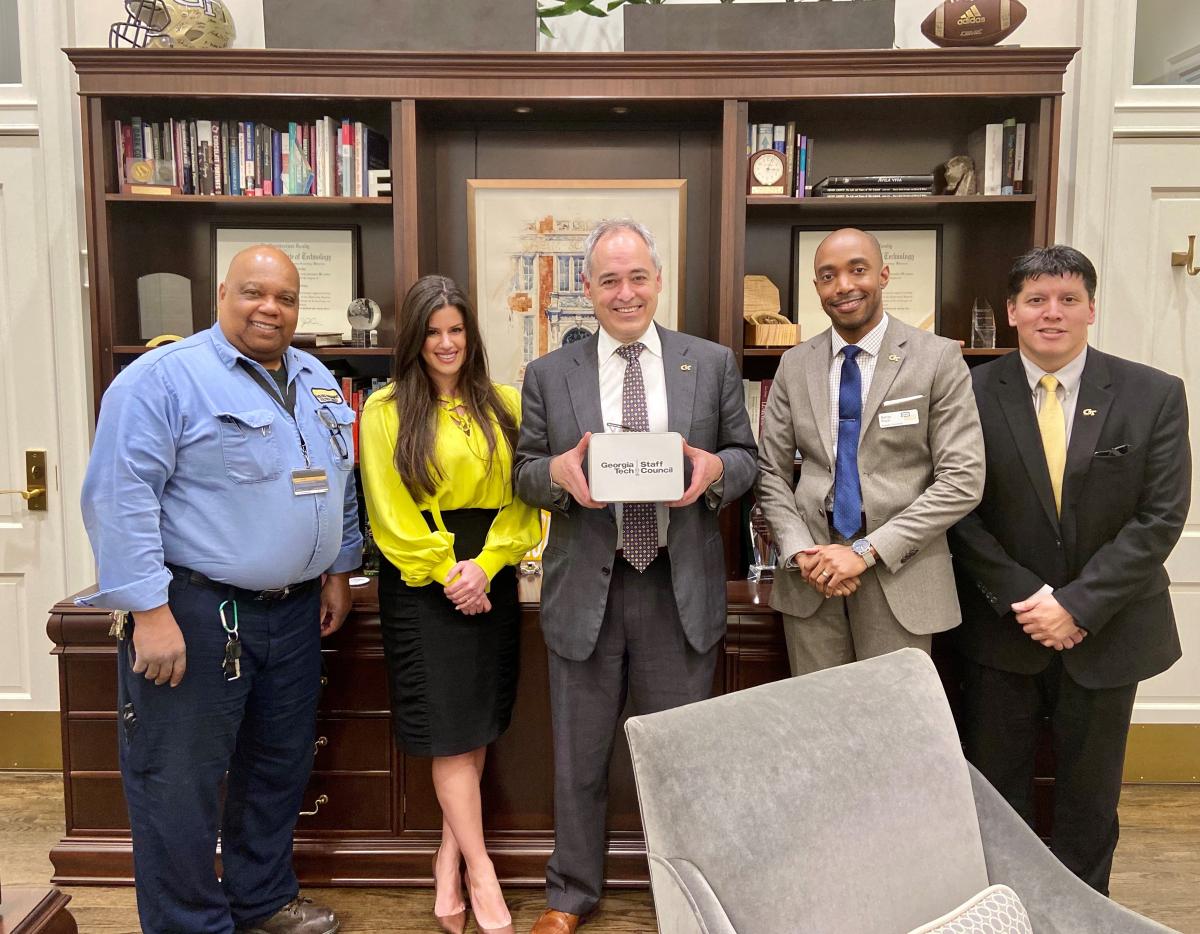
286,402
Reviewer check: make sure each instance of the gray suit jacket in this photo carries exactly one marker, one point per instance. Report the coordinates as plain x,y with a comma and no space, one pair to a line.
917,480
705,404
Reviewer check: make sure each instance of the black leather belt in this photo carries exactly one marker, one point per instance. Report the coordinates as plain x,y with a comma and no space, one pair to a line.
241,593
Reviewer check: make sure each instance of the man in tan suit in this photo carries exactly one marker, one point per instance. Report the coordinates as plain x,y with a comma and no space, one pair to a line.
883,420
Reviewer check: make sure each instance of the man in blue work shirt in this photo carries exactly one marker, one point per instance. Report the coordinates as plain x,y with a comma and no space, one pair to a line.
221,506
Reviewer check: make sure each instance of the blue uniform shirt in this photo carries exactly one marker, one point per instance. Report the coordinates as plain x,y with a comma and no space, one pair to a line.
192,466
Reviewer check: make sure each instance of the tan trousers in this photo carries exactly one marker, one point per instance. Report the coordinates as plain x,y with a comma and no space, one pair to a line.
847,629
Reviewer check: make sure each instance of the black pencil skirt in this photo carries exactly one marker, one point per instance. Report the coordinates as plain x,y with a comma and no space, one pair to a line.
453,678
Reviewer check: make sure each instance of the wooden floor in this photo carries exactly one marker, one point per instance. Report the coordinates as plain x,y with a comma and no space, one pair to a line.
1157,869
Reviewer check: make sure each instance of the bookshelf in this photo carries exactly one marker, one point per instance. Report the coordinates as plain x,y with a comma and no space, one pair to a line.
449,117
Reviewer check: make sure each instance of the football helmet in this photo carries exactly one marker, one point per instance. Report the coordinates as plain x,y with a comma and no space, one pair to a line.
167,24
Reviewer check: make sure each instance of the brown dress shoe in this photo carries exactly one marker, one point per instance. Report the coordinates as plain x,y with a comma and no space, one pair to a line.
299,916
556,922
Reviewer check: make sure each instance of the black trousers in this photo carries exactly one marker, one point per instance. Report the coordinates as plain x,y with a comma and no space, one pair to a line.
1003,712
642,652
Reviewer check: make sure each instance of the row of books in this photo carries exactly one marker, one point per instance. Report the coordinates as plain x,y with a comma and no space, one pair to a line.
756,392
326,158
998,150
356,390
873,186
797,149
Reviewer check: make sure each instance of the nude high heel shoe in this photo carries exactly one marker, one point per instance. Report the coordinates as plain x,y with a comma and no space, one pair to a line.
504,929
454,923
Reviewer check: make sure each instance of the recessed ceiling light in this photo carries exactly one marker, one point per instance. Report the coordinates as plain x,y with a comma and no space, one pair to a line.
620,110
523,110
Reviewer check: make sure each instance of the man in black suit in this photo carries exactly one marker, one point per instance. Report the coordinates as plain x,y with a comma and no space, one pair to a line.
1060,568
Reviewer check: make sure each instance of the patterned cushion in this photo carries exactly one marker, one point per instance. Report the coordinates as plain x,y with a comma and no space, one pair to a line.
995,910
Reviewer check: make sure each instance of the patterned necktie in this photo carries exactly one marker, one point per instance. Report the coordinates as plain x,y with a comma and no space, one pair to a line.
1053,426
847,493
639,521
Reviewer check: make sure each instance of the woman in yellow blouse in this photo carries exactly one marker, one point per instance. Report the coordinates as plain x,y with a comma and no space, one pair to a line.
436,453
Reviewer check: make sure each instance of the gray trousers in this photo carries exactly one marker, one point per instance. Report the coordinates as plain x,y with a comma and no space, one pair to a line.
641,650
847,629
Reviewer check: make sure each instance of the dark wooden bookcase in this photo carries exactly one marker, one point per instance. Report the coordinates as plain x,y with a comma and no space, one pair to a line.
450,117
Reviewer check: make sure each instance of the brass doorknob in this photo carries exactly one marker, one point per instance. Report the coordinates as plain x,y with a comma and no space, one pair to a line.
35,481
1187,258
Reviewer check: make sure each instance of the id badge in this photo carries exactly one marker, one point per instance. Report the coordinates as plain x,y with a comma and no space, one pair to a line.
309,480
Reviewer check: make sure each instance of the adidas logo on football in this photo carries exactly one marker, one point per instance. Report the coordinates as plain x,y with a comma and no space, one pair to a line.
972,17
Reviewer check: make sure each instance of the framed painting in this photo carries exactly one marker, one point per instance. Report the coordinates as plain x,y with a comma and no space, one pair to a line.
526,241
913,255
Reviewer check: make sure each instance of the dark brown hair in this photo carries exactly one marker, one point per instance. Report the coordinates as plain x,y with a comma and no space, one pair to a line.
416,395
1053,261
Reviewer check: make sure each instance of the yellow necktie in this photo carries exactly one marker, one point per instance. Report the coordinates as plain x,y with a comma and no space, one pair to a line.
1053,427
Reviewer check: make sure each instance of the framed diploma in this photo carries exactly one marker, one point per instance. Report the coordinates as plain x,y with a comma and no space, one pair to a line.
326,258
913,255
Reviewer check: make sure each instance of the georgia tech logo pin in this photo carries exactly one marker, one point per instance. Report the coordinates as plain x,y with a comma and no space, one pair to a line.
894,358
1089,411
686,367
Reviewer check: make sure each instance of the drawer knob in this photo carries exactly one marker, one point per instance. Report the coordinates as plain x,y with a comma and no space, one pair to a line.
321,741
324,681
322,799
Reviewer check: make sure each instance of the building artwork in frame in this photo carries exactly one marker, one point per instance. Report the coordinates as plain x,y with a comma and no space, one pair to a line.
526,258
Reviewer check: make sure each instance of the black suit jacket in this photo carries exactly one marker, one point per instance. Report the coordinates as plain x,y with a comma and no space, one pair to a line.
1125,498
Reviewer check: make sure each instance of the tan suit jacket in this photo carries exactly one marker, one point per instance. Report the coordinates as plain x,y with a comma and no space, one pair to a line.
917,479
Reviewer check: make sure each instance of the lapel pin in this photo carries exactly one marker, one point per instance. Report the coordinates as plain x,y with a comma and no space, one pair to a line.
894,358
686,367
1089,411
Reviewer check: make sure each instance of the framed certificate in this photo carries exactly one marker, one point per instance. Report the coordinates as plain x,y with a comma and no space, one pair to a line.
326,258
913,294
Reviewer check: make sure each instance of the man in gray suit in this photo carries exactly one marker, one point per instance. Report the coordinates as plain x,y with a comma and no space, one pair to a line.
882,418
633,595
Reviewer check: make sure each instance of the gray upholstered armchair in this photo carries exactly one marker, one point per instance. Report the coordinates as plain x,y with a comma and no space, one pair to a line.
837,803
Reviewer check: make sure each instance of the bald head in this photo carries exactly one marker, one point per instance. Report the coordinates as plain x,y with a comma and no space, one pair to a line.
850,279
258,304
852,239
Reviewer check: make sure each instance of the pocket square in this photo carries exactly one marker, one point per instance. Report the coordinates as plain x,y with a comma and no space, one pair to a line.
1119,451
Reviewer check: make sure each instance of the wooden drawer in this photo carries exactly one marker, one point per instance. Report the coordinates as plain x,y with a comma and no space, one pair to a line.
352,802
349,744
97,802
91,681
355,683
93,745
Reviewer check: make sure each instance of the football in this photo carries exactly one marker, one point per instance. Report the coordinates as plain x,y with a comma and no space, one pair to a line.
972,22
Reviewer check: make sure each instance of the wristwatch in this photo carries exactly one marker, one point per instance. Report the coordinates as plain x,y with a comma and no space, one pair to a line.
862,548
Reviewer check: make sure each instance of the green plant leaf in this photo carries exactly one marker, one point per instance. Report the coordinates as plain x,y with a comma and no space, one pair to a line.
544,29
592,11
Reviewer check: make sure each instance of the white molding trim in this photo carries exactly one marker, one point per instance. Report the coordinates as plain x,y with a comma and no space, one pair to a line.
1155,132
19,129
1098,88
1166,712
53,82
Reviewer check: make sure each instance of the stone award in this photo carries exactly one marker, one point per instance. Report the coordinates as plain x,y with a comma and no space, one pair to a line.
636,466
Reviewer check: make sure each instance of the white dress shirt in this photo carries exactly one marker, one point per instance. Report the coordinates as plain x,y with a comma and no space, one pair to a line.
612,384
866,364
1068,376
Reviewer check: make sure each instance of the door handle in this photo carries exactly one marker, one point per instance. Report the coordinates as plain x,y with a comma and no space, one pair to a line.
1186,258
35,481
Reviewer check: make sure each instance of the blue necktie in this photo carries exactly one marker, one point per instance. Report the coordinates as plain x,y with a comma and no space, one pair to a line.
847,494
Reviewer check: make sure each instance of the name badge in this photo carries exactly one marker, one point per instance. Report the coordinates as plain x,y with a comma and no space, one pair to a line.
309,480
896,419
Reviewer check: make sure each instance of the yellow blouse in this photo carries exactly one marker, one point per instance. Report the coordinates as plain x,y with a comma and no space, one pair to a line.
468,481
